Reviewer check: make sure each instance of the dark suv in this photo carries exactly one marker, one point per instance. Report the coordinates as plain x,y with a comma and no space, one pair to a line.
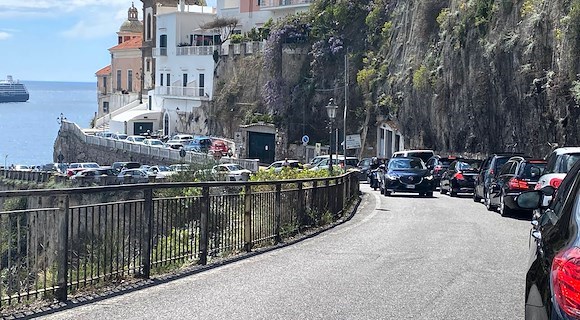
486,176
517,175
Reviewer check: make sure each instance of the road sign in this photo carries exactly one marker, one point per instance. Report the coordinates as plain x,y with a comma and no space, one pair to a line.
353,141
317,148
217,155
305,139
182,153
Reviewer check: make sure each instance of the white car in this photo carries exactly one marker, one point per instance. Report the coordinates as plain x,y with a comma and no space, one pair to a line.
133,176
279,165
231,172
154,143
559,162
135,139
160,172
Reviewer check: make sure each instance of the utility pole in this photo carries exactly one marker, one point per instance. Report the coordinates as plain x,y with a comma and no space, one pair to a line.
345,100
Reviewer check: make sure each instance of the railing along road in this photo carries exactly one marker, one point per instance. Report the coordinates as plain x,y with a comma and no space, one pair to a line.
54,242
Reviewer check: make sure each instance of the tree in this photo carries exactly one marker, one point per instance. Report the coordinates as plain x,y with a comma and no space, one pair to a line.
225,26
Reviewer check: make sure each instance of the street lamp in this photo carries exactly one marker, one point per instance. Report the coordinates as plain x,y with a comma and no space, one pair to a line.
331,110
61,118
5,167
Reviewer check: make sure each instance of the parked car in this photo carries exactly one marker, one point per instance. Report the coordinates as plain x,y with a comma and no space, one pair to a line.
314,161
552,288
160,171
22,167
198,144
363,167
459,177
279,165
135,139
75,167
407,174
121,165
231,172
174,144
489,167
104,134
437,165
119,136
96,175
219,146
423,154
133,176
154,143
517,175
559,163
59,168
324,163
182,137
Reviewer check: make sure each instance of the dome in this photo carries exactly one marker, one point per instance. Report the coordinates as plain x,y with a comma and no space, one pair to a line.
132,26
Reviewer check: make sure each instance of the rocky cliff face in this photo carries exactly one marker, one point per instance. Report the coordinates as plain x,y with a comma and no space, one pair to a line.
457,76
485,75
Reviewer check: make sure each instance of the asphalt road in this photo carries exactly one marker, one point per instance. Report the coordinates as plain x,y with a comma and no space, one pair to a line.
400,257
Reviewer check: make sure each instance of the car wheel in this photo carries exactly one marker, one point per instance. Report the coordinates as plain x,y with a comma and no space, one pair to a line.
452,193
429,194
503,209
487,201
442,191
387,193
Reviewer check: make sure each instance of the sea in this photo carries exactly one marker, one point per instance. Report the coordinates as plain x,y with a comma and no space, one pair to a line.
28,129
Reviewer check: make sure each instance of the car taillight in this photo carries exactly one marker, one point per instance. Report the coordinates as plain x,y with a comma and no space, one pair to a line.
555,182
458,176
517,184
566,281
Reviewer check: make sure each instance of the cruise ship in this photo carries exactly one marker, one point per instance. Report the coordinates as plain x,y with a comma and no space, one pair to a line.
12,91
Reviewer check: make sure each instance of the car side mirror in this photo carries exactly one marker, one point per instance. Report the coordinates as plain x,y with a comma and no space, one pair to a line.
530,199
382,167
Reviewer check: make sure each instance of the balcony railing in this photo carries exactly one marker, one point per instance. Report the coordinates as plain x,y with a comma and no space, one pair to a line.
186,92
281,4
160,52
197,50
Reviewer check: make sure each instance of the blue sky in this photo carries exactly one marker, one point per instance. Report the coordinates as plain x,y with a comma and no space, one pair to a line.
59,40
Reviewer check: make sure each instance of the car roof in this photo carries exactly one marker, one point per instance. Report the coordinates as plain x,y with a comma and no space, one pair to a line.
566,150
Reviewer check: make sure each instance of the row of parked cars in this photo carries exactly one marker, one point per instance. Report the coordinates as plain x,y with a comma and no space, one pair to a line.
508,182
188,142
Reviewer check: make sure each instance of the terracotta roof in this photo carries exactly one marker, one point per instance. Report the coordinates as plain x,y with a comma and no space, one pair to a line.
104,71
134,43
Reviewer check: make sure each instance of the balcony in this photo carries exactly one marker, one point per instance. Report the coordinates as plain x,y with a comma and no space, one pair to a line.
195,93
197,50
283,4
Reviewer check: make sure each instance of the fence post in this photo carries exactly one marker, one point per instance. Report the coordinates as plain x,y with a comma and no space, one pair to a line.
148,237
248,218
314,197
204,226
278,210
62,255
301,204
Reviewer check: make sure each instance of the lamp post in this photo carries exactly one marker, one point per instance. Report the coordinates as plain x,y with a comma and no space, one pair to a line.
60,118
5,167
331,110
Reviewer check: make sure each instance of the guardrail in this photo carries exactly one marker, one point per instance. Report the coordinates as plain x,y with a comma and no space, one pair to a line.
55,242
171,154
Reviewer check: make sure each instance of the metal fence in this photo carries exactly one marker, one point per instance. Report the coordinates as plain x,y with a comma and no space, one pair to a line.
55,242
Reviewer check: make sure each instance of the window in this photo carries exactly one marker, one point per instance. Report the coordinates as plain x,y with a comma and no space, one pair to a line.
148,65
185,80
119,40
119,80
201,84
161,80
163,44
130,80
105,85
105,107
168,79
148,30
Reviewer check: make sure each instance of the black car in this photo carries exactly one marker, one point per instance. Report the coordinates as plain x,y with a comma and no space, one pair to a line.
437,165
517,175
486,176
407,174
460,177
552,286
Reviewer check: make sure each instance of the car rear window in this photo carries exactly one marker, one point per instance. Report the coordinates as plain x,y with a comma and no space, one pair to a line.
532,171
499,162
423,155
567,162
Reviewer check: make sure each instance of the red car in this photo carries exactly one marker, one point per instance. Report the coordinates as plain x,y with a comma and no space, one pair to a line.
219,146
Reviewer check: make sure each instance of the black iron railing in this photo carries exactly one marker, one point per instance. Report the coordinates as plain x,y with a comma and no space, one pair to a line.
54,242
